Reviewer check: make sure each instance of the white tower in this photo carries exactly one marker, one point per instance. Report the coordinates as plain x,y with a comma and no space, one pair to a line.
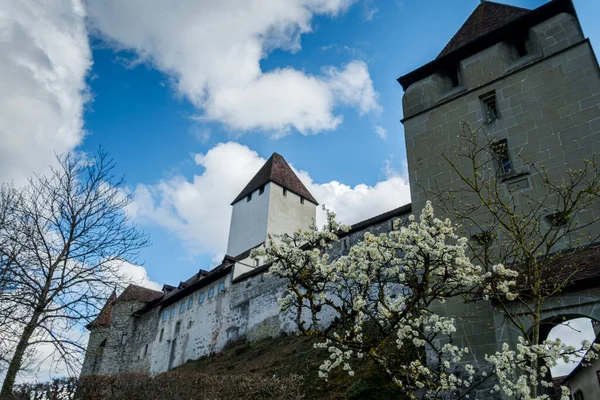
273,202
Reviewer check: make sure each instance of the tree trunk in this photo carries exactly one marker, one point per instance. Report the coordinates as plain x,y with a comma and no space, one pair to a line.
17,359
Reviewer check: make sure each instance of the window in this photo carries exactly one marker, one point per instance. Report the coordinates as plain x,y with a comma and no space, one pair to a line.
124,338
284,191
452,75
221,286
146,350
181,307
500,149
249,197
211,292
261,190
483,238
190,302
578,395
519,43
177,327
490,107
172,311
256,262
557,219
301,200
165,314
201,298
190,324
162,333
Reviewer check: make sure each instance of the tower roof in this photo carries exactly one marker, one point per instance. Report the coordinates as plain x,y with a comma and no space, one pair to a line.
488,16
276,170
105,315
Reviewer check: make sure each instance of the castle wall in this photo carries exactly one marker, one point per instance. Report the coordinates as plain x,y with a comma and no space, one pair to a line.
287,213
549,112
248,226
246,309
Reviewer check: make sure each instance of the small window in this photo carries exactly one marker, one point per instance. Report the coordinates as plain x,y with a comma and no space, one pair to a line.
261,190
211,292
452,75
490,108
146,350
181,307
201,298
483,238
172,311
162,333
177,327
165,315
190,302
249,197
124,338
256,262
284,191
578,395
500,149
221,286
557,219
301,200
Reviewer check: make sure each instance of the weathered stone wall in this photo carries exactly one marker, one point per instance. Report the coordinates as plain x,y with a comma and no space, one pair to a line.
95,350
549,111
246,309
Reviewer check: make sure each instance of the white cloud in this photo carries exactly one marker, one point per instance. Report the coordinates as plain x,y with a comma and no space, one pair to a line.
572,332
212,52
137,275
199,211
381,131
44,59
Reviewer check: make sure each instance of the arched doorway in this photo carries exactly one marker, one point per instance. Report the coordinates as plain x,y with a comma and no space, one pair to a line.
584,381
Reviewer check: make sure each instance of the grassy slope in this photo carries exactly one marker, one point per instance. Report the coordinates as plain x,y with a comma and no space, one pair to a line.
294,355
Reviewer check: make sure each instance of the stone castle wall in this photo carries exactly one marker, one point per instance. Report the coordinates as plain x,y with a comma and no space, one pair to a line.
247,308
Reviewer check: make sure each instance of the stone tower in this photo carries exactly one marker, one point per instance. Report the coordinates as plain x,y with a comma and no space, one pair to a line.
274,202
533,70
531,79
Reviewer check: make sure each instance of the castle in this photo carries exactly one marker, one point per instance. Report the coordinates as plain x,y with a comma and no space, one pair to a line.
529,75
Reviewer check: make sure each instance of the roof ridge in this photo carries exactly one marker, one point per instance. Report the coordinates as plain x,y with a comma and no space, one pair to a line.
486,17
277,170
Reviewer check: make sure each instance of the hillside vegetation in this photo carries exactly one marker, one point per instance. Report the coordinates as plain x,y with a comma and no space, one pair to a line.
283,368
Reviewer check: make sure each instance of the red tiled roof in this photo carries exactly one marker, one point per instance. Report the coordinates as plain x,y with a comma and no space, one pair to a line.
277,170
139,293
105,315
581,264
487,17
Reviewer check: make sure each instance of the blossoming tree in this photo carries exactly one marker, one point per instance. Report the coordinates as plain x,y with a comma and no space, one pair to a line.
375,303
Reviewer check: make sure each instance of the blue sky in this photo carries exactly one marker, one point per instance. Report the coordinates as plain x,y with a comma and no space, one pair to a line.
191,97
153,133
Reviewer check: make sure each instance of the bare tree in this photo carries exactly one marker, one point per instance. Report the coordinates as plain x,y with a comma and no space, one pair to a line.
522,213
62,254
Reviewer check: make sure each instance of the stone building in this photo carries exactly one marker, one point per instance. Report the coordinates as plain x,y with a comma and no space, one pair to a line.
529,75
143,330
531,79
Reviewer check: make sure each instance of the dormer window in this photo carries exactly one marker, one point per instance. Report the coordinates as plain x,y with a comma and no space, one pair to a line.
490,107
261,190
452,75
249,197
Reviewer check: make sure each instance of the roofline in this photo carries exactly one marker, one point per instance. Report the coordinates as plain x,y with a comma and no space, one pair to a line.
288,189
533,17
405,209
